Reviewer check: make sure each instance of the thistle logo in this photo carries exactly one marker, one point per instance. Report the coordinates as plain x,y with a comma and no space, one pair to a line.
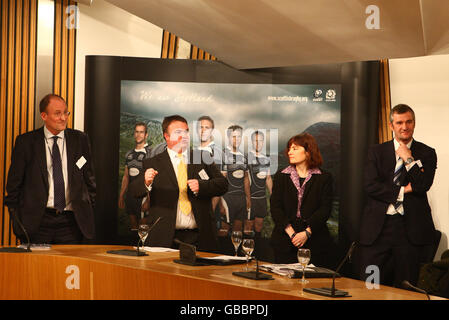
330,95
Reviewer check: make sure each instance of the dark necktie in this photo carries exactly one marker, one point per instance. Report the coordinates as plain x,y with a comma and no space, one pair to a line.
58,178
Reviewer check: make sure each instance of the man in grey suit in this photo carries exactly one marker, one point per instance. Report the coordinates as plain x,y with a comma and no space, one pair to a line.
51,184
181,186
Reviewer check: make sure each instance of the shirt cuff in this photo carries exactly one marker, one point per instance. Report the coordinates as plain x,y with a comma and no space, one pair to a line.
409,166
149,187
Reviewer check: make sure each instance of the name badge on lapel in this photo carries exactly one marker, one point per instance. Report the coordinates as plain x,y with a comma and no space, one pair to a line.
203,175
81,162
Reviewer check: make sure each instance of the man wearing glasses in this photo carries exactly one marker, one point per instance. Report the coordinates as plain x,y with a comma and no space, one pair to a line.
51,184
181,187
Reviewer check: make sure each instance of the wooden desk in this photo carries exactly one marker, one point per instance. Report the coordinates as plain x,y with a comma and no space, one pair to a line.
88,272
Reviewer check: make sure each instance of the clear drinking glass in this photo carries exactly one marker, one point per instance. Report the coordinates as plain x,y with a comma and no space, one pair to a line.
236,238
303,259
248,247
143,233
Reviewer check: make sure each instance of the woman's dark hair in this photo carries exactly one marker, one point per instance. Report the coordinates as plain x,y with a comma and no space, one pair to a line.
308,142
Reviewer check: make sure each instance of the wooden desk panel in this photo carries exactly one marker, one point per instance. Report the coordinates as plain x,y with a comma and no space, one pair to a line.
88,272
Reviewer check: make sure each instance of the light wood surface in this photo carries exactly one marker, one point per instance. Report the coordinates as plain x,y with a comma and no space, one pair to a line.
50,275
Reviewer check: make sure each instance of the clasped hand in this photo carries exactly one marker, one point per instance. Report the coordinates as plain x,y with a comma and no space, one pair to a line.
150,175
299,239
194,185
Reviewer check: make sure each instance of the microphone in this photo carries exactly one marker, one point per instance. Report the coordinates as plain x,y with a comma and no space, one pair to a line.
155,223
408,285
333,292
14,249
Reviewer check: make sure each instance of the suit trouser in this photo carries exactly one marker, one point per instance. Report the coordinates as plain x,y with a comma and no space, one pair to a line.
58,228
396,258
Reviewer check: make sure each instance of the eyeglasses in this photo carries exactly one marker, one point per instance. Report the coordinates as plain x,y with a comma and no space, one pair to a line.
180,132
60,114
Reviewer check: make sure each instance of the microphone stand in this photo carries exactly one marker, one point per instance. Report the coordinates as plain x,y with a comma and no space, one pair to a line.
14,249
408,285
257,268
140,240
333,292
254,275
128,252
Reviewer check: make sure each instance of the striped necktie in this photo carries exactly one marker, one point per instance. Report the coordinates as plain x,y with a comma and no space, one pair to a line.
397,181
398,172
184,203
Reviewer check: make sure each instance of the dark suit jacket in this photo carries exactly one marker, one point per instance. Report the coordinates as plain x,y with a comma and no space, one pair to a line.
316,208
27,184
382,192
164,198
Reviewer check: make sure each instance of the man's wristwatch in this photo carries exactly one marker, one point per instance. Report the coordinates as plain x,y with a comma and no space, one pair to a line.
409,160
308,234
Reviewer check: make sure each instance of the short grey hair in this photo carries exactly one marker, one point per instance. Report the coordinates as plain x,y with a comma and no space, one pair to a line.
400,109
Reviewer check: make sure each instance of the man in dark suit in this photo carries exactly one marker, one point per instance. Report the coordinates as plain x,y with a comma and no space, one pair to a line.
397,223
181,186
51,184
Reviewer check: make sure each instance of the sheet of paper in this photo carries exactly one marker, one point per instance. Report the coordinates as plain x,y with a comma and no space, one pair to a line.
36,246
226,258
158,249
285,269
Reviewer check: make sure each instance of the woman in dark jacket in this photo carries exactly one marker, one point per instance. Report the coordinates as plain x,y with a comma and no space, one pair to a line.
301,204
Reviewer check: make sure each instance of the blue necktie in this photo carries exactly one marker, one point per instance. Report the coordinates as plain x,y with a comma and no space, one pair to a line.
397,180
58,178
398,172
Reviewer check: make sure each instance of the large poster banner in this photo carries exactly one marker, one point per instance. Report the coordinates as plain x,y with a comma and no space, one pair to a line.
250,121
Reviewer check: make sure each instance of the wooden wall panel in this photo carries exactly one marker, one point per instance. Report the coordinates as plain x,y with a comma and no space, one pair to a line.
169,49
169,46
199,54
18,21
384,133
64,53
